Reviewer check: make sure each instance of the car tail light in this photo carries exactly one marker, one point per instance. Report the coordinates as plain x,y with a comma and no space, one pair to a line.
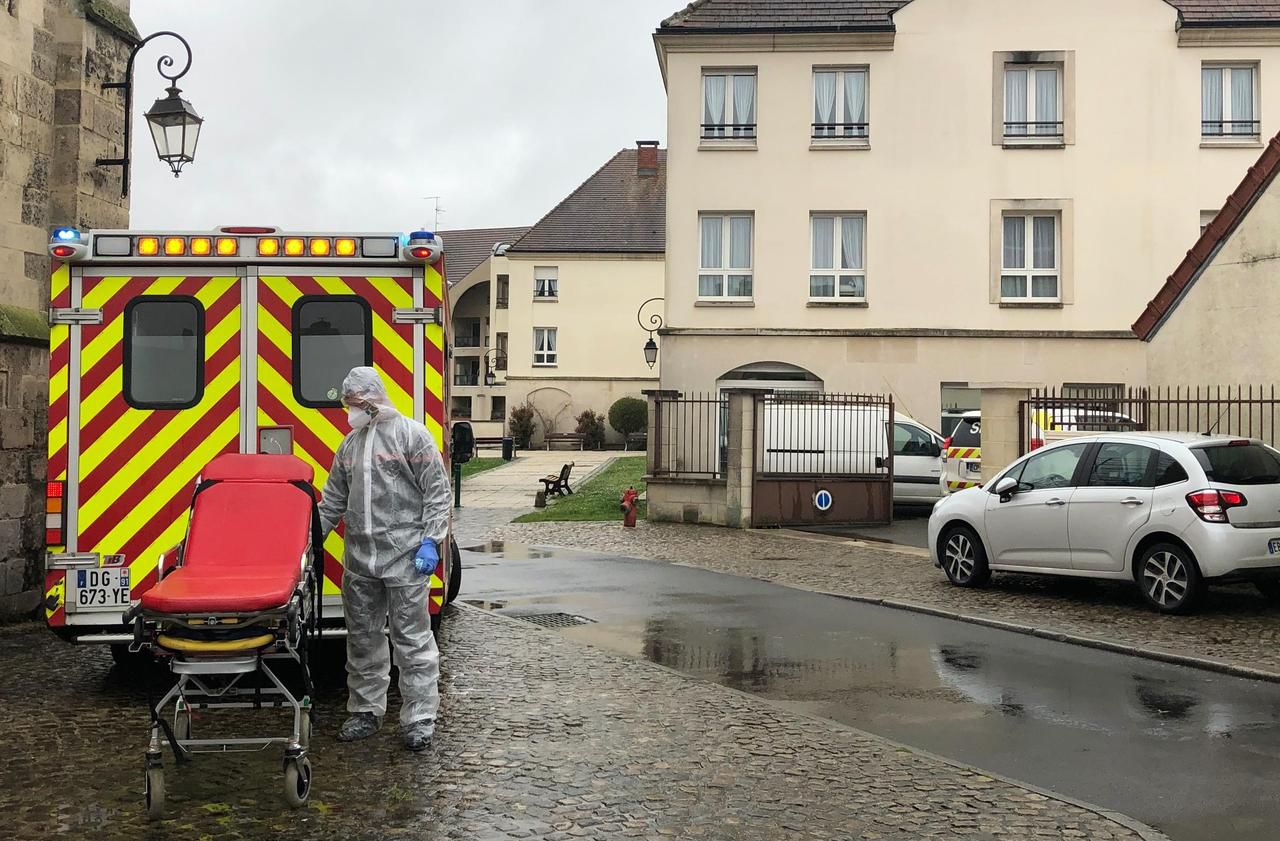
55,517
1211,506
946,445
1037,443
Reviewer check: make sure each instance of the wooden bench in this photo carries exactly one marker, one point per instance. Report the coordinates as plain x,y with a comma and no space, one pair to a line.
558,484
489,441
565,438
639,439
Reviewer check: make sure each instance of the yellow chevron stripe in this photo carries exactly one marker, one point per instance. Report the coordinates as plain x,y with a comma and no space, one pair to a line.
95,452
270,379
184,475
59,282
145,458
434,282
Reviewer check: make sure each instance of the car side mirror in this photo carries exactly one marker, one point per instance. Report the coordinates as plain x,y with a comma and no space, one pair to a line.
1006,488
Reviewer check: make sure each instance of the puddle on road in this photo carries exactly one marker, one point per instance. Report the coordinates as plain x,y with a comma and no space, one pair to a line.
514,551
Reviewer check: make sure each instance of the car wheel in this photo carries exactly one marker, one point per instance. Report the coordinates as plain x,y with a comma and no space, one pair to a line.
1269,589
964,559
455,572
1169,578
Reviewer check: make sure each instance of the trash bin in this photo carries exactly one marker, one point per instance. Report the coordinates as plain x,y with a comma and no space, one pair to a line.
508,449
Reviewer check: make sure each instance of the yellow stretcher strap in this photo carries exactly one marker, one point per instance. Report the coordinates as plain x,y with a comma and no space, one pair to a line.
214,646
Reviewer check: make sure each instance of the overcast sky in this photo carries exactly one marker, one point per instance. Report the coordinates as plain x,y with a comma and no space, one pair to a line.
330,115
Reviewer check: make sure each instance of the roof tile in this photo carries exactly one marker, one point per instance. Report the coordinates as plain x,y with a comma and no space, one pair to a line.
466,249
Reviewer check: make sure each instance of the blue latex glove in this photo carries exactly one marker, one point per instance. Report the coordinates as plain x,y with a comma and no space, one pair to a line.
427,558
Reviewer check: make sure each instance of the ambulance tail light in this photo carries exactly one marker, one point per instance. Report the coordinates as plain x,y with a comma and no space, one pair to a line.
174,246
320,247
55,518
228,246
201,246
248,230
269,247
294,246
148,246
345,247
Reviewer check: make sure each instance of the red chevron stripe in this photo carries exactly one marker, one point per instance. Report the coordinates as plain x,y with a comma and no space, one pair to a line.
159,470
303,436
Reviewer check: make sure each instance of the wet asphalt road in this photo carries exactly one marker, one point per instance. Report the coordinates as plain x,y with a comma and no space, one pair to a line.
1193,753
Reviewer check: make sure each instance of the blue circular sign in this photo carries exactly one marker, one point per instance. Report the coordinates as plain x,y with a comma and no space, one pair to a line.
822,500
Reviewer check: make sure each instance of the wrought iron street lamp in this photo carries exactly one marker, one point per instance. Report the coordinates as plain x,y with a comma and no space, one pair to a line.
655,324
489,377
174,124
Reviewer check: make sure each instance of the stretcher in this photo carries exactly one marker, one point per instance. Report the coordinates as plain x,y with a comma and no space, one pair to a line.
241,591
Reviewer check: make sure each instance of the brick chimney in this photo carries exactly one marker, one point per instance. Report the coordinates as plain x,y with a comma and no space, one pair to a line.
646,157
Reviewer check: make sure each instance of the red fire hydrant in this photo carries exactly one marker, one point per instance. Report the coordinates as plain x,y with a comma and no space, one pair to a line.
629,508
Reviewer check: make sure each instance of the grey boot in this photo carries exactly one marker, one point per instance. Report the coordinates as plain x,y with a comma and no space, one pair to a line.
418,735
359,726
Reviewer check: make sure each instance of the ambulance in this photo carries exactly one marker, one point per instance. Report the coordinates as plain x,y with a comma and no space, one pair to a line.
168,348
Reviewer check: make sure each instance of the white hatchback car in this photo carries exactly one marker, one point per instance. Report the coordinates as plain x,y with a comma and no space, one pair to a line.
1172,512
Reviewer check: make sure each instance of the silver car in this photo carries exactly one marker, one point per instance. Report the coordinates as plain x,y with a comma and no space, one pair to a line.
1173,512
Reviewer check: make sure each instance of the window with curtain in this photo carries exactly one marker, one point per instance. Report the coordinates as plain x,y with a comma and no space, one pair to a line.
544,346
837,270
725,256
840,104
1030,265
728,105
1228,101
1033,102
546,282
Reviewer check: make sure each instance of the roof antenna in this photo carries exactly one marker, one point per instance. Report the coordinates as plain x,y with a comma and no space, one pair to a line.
437,211
1214,428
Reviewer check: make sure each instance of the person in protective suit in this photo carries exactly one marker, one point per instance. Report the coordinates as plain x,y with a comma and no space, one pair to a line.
388,485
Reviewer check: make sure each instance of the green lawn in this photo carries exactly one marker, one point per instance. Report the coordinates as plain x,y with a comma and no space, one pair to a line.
480,465
598,498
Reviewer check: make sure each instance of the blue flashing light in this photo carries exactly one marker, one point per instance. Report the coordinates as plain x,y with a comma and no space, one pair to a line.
66,235
416,235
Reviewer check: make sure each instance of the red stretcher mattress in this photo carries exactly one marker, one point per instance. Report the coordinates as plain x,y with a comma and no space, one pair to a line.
249,530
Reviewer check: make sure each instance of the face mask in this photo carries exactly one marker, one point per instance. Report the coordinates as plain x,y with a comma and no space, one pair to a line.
358,418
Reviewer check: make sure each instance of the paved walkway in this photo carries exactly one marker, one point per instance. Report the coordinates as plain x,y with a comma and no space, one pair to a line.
495,497
1235,627
540,738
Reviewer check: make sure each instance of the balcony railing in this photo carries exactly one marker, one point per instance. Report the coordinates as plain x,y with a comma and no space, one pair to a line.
466,341
1230,128
1037,129
728,131
502,302
466,378
859,131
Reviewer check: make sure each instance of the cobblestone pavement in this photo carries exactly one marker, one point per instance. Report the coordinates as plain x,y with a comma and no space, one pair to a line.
540,737
1236,626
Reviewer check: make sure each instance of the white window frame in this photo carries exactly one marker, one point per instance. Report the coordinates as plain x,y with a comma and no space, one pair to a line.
1031,135
1027,272
723,271
836,272
546,278
546,358
720,130
836,131
1227,116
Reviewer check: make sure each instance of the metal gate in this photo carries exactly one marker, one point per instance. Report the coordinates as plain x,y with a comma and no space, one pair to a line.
822,459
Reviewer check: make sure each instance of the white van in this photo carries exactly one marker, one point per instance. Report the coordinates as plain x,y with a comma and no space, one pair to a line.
824,440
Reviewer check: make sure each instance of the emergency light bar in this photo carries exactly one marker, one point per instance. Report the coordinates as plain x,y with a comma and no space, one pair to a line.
243,244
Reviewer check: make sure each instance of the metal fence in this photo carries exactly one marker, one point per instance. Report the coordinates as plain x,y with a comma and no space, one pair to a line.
690,436
1247,411
825,434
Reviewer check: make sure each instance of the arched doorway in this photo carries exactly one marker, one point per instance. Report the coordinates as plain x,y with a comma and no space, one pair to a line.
779,376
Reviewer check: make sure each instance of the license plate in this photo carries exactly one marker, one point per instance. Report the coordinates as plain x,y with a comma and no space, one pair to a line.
105,588
1273,546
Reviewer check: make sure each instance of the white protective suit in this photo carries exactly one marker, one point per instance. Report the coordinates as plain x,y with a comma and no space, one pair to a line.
388,485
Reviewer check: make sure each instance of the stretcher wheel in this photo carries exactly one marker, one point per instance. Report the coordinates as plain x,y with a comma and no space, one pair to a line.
154,793
297,782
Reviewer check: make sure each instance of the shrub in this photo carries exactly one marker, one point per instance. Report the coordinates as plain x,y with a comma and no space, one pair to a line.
628,415
522,426
591,428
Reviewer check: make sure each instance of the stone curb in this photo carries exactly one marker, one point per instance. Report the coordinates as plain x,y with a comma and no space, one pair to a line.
1147,833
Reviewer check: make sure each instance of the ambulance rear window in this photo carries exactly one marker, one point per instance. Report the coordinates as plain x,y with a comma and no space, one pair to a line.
331,335
163,353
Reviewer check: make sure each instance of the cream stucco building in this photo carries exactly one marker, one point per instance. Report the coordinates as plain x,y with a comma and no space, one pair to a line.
551,311
913,197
